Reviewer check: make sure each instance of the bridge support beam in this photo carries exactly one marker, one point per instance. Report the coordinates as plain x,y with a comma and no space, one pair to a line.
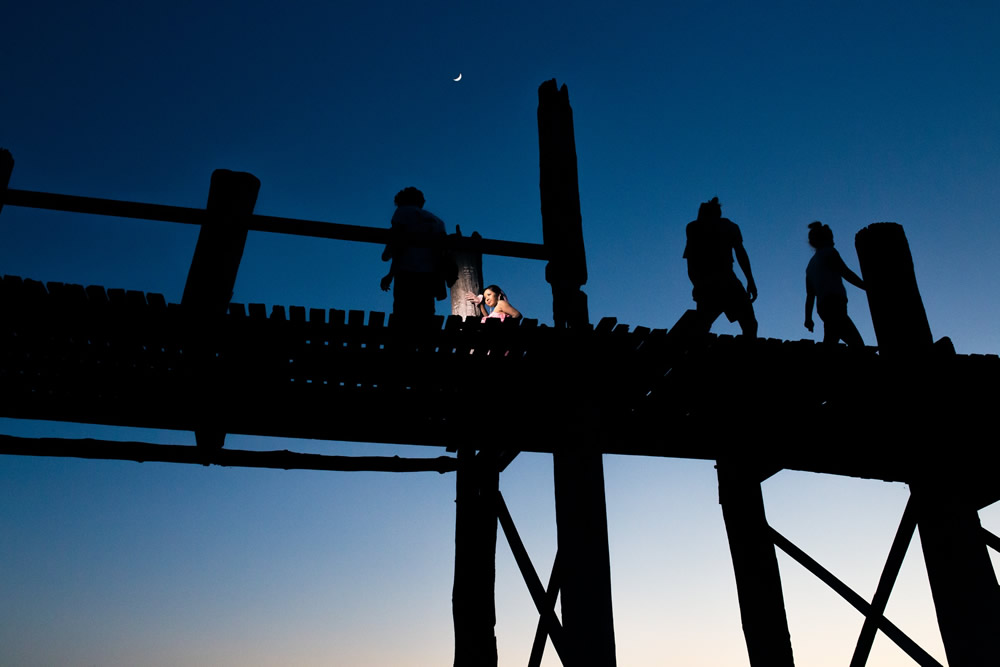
584,559
231,199
758,582
472,599
961,576
562,226
6,169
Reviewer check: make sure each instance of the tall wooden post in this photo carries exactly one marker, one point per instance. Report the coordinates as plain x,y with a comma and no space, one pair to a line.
758,582
6,168
581,513
470,279
963,583
473,605
212,276
562,226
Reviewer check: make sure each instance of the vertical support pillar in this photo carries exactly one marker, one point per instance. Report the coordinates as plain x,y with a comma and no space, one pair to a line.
470,279
581,512
6,169
562,226
473,594
898,314
963,583
209,287
758,582
584,558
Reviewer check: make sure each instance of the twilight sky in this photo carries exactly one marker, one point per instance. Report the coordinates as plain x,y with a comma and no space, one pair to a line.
845,112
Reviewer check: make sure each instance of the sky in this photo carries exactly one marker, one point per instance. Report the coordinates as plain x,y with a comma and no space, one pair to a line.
845,112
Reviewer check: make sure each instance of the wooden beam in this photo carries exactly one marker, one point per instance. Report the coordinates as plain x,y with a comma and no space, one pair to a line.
541,630
963,581
585,571
142,452
758,581
546,613
911,648
904,534
562,227
256,223
6,168
473,596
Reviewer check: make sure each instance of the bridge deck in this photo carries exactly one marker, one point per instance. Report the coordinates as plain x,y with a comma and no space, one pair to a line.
126,358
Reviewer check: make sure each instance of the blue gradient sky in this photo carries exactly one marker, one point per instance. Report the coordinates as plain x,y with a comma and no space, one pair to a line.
846,112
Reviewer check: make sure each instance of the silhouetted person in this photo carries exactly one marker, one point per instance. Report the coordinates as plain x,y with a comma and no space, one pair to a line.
711,243
416,270
825,276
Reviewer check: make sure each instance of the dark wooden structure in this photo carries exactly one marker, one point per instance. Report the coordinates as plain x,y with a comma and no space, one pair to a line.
112,356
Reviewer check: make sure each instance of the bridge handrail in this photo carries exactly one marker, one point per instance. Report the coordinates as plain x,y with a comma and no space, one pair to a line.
261,223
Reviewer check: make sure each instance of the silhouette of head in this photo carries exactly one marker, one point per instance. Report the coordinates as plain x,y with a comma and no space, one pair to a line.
820,235
409,197
710,210
492,294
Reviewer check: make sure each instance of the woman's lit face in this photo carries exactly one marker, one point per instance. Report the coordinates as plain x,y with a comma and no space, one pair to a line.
490,297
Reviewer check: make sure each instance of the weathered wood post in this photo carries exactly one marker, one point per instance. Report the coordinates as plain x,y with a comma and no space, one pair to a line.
961,576
562,225
758,582
6,169
231,199
473,595
578,467
470,278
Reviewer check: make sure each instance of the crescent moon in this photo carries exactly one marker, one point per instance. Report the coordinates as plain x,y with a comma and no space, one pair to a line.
458,78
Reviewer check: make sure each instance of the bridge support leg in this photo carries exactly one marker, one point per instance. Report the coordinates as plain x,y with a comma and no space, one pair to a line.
963,582
473,606
6,169
584,559
758,582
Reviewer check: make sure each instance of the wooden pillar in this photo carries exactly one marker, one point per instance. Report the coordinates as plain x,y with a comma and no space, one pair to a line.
581,514
898,314
584,559
6,168
963,583
470,279
209,287
562,226
758,582
472,599
231,198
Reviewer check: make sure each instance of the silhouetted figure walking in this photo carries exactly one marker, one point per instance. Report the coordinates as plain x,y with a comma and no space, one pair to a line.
416,270
825,284
711,243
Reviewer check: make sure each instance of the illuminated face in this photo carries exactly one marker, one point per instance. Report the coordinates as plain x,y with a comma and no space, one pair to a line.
490,297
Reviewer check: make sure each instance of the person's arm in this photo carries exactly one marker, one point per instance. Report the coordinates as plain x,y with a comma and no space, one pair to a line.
506,308
477,300
849,275
744,261
810,298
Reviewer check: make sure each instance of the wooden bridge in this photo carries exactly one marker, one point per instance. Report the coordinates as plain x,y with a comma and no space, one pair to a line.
911,411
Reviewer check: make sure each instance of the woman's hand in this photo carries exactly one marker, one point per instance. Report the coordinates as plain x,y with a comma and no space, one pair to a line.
474,298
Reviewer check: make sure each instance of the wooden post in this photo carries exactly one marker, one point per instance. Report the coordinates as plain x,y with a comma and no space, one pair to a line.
231,198
6,168
898,314
581,514
470,279
209,287
758,582
562,226
473,606
963,583
584,558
